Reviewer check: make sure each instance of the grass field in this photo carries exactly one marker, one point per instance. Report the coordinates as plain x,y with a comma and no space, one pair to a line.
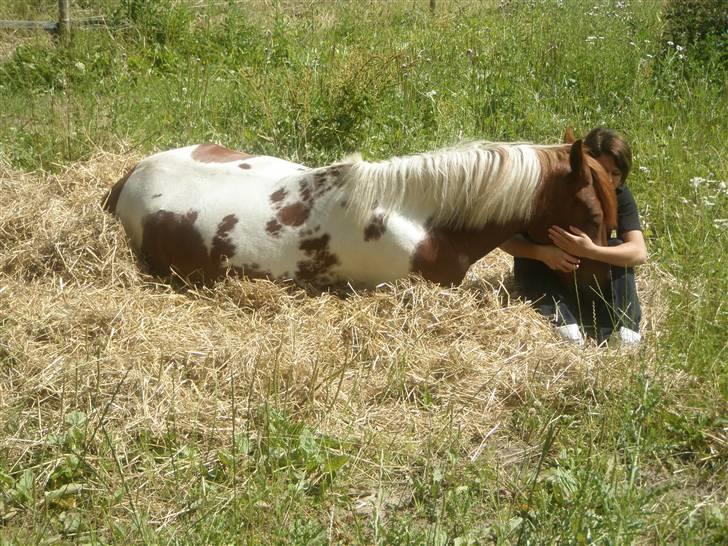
133,410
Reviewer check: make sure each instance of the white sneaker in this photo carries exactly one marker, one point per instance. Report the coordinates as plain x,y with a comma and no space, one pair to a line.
629,337
571,332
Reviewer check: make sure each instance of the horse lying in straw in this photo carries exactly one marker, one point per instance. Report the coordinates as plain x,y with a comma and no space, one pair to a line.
204,211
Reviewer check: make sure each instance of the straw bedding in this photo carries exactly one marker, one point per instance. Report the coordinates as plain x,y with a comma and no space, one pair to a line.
82,327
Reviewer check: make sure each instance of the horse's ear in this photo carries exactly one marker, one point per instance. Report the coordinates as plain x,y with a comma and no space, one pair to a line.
569,137
579,163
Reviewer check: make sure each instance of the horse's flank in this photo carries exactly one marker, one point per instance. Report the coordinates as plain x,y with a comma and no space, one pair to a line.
465,187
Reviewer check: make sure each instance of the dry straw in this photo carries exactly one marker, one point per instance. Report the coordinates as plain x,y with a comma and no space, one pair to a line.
82,327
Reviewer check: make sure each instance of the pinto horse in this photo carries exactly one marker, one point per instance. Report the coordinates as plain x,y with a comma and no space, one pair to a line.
204,211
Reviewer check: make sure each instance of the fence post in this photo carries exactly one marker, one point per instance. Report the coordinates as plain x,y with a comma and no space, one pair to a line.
64,20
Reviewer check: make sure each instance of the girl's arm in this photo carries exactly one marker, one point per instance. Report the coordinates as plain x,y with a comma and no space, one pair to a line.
552,256
630,253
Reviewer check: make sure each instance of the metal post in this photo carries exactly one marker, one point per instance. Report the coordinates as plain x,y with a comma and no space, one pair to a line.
64,19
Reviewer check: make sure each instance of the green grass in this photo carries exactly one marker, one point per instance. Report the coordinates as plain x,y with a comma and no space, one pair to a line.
312,81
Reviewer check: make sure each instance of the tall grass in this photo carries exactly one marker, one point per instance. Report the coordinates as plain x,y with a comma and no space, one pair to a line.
313,81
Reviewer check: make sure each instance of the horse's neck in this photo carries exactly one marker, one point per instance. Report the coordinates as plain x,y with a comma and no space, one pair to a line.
486,239
463,188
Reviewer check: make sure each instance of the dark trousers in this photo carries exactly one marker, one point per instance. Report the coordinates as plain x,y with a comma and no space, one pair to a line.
598,311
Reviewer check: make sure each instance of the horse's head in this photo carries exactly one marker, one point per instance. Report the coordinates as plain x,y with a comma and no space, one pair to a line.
576,191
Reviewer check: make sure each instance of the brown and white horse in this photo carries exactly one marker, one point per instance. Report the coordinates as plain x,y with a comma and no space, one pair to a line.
203,211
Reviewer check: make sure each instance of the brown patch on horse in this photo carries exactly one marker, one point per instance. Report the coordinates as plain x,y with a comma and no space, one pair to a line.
222,246
278,196
245,166
320,259
329,178
273,228
294,214
305,191
111,198
213,153
375,228
170,241
321,183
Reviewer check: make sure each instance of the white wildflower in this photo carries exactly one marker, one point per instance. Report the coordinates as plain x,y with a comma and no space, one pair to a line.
80,66
697,181
644,169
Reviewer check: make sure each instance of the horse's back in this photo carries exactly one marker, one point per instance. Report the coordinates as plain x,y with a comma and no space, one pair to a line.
187,168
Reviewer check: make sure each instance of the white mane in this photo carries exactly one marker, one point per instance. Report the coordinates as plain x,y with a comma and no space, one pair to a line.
466,186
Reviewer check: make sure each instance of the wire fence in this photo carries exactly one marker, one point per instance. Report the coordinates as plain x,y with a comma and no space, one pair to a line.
63,24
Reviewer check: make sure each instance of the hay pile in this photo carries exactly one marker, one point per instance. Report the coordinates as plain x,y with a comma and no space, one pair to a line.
83,328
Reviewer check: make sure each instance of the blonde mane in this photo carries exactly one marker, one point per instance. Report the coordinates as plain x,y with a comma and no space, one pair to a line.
462,187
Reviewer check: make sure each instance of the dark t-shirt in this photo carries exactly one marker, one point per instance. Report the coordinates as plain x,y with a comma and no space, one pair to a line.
628,219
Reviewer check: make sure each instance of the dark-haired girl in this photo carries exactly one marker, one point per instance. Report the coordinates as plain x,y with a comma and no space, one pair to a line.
616,313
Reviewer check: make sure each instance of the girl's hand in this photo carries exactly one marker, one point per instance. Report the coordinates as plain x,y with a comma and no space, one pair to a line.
557,259
576,243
